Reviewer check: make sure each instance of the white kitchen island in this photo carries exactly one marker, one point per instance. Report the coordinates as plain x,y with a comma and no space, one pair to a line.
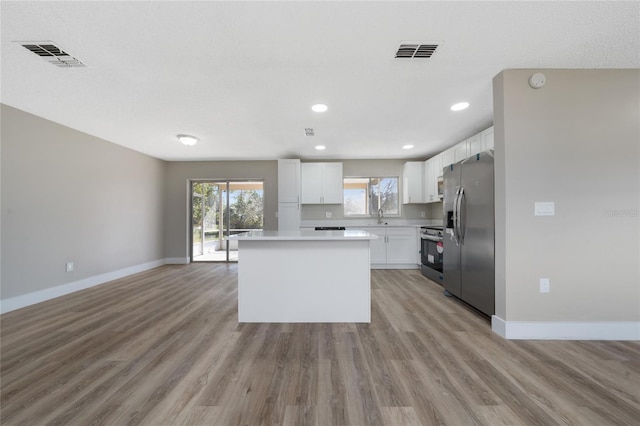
304,276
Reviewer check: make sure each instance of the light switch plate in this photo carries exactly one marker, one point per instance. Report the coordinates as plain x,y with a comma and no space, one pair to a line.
545,285
544,208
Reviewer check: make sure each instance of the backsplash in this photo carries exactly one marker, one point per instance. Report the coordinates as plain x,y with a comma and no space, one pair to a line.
432,211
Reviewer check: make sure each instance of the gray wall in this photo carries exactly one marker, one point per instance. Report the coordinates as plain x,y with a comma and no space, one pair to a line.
69,196
177,202
371,168
575,141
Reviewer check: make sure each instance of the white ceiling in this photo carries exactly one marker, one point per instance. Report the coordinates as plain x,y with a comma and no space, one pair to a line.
242,76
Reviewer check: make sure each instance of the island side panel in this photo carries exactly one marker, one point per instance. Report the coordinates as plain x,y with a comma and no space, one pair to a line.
304,281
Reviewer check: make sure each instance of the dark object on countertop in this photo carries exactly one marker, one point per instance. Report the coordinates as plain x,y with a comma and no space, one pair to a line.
330,228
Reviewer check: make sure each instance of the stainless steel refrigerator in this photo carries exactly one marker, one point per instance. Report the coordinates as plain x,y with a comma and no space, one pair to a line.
468,258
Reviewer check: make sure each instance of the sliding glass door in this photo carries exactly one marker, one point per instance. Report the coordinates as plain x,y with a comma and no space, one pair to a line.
219,209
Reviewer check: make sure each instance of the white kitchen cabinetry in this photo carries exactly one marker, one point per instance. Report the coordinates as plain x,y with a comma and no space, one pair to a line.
378,254
487,138
288,195
460,151
413,182
401,246
395,248
474,145
465,149
447,157
288,181
322,183
288,217
432,169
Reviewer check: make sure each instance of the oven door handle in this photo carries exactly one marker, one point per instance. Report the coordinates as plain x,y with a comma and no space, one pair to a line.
431,238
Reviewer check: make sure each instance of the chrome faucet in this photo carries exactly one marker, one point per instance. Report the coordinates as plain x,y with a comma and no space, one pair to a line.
380,216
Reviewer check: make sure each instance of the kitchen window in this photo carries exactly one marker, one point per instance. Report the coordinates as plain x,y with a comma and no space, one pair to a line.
363,196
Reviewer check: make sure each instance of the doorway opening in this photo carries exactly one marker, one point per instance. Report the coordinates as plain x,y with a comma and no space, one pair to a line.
219,209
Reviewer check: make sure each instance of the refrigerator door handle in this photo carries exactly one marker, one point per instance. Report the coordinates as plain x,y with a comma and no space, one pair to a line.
456,217
462,226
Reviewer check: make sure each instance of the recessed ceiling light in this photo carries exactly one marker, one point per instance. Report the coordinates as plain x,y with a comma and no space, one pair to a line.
320,147
460,106
407,146
319,108
188,140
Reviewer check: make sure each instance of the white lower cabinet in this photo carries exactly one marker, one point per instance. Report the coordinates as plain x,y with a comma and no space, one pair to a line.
395,248
378,248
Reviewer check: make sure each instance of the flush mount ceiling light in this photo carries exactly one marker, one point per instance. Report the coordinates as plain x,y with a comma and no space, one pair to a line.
460,106
188,140
407,147
320,147
319,108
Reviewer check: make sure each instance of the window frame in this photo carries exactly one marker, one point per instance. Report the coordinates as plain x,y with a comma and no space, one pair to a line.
367,200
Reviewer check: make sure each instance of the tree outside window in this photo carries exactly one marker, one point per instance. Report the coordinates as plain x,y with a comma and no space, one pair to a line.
364,196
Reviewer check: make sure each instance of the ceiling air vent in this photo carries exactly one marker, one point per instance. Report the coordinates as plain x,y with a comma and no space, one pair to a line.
416,50
309,132
52,54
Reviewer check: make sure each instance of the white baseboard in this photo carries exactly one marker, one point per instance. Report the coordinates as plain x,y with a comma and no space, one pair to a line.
550,330
398,266
24,300
177,260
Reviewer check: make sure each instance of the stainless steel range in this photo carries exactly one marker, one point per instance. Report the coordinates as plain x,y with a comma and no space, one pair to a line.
432,250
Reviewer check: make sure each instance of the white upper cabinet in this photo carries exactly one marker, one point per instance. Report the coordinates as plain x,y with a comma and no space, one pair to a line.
487,138
332,184
460,151
437,162
474,145
465,149
413,182
288,181
447,157
321,183
432,170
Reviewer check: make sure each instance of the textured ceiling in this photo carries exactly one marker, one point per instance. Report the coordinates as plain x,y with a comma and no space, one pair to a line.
242,76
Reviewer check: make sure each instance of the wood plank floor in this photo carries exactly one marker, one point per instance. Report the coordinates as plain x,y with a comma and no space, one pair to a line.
164,348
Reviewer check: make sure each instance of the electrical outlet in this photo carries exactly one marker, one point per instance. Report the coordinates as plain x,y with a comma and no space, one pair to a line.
545,285
423,214
328,215
69,266
544,208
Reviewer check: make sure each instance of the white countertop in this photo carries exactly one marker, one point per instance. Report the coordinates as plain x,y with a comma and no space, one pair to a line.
305,235
370,223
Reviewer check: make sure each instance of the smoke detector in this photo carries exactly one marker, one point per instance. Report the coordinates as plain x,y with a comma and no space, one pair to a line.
51,53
